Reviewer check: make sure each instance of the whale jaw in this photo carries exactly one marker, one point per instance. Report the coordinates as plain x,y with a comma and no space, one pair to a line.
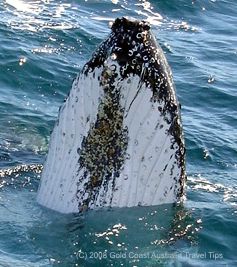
118,141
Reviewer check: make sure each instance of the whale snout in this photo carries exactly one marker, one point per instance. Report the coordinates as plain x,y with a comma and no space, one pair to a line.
119,139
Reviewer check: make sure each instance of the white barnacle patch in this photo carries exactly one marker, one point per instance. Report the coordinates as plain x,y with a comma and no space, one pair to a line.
134,61
139,35
130,52
113,56
152,60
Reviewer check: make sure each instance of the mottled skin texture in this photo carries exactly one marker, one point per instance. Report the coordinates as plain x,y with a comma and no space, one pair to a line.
103,150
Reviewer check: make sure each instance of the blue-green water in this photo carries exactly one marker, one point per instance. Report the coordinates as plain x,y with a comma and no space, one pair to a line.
43,45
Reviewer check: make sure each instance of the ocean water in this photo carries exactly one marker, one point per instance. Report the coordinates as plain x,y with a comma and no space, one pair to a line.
43,45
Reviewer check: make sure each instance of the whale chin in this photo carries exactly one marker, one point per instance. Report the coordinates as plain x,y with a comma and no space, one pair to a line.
118,140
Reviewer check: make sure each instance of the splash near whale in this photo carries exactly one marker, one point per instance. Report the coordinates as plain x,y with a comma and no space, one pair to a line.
118,140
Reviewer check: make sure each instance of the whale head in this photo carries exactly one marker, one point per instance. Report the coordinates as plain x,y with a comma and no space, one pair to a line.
118,140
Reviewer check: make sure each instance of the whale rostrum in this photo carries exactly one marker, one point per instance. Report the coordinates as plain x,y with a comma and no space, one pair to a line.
118,140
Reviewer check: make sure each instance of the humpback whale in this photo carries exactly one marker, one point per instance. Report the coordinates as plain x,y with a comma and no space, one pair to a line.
118,140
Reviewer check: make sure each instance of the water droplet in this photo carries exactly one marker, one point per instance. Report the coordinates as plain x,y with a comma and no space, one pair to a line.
22,61
211,79
206,153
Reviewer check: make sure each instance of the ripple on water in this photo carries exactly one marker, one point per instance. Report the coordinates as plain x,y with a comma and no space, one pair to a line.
115,230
